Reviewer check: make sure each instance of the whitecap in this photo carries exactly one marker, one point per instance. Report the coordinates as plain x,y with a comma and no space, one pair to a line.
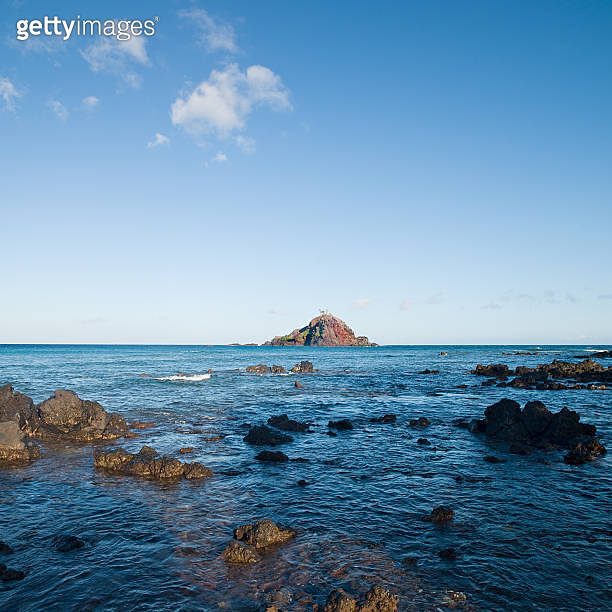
190,378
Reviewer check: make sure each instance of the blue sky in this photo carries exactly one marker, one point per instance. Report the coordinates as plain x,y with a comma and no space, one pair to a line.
431,172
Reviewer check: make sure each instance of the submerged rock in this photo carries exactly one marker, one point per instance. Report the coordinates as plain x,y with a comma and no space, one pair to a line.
66,543
5,549
282,421
430,372
420,422
386,419
448,553
377,599
147,463
441,514
342,424
298,385
8,574
272,456
260,435
304,367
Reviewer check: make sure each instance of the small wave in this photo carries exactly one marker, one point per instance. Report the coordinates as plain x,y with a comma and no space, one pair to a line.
186,377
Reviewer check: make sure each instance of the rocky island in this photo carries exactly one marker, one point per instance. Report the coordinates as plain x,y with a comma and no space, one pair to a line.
324,330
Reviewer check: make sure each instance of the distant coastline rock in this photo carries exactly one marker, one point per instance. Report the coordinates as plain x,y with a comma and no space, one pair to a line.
540,377
324,330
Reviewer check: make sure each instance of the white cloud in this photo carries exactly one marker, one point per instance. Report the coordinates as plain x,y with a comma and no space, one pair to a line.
362,302
491,306
90,102
222,104
220,157
107,54
159,139
405,304
8,93
214,35
273,311
245,144
61,112
436,298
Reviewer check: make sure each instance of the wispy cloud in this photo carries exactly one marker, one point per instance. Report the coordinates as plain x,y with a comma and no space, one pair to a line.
222,104
117,57
491,306
220,157
405,305
8,93
61,112
362,303
245,144
214,35
90,102
436,298
605,296
273,311
159,140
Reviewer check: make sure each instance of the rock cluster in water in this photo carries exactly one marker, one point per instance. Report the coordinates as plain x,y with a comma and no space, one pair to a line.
377,599
64,416
304,367
147,463
535,425
251,539
544,377
324,330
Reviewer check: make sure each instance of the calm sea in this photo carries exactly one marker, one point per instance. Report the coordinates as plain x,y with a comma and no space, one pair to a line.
531,533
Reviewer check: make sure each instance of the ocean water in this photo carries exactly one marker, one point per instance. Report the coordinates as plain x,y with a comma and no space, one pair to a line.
531,533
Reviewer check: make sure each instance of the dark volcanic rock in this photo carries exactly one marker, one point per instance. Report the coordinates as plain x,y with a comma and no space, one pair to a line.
492,459
536,426
272,456
540,376
5,549
584,452
258,369
304,367
276,369
251,538
441,514
66,416
386,419
424,441
260,435
493,370
324,330
420,422
15,406
66,543
430,372
147,463
240,553
448,553
283,422
377,599
342,424
262,534
7,574
298,385
14,450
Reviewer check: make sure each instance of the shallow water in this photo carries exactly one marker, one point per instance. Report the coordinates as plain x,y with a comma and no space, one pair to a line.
531,533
